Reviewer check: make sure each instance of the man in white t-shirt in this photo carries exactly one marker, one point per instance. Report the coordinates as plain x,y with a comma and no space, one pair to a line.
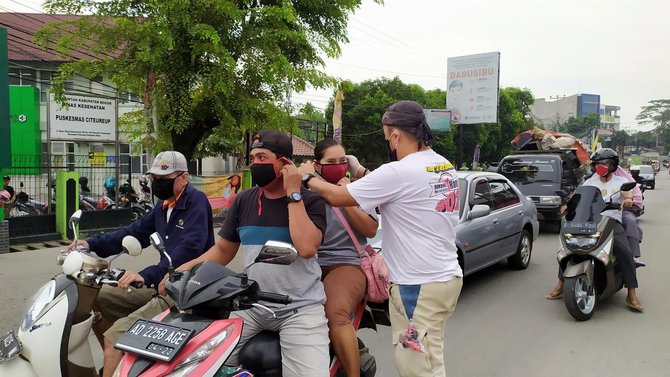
606,162
417,195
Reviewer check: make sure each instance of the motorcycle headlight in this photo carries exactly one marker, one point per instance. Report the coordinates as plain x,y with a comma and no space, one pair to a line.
37,303
194,359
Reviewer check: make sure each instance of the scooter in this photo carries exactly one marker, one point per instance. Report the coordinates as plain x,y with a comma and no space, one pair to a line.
586,254
53,338
198,335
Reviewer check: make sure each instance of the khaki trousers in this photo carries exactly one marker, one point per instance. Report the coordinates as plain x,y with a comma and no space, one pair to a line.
435,303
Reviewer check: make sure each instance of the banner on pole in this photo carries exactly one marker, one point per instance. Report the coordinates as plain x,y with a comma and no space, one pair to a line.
337,116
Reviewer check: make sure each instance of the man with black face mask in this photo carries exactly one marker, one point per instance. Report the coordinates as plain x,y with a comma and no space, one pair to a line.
277,208
183,217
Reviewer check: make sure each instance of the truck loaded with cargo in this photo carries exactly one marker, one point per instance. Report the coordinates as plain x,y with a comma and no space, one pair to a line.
547,167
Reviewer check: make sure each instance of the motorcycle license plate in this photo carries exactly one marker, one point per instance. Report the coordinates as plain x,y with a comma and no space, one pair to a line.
154,340
9,347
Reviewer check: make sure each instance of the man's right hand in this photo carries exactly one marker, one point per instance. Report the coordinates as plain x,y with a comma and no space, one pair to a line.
73,245
161,285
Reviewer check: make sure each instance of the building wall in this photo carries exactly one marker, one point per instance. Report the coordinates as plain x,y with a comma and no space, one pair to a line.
549,113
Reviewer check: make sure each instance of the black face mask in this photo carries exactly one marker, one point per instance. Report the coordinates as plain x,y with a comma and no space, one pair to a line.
263,173
163,189
393,155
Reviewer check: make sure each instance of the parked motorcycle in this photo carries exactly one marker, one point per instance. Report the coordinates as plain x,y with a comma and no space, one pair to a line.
53,338
586,255
146,199
27,206
128,198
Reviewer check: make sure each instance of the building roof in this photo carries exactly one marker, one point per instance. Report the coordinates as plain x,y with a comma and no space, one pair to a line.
301,147
21,28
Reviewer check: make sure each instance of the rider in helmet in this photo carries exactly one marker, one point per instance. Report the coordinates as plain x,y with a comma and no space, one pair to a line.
605,162
83,186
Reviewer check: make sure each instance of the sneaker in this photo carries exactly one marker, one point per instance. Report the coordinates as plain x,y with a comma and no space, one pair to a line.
639,262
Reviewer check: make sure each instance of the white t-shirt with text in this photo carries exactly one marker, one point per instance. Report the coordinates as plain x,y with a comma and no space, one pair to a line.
418,200
606,189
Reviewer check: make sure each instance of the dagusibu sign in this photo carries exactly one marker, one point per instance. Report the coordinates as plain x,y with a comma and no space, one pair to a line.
472,88
85,118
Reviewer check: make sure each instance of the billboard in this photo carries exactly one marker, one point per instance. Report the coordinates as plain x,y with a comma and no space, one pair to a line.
472,88
85,118
438,120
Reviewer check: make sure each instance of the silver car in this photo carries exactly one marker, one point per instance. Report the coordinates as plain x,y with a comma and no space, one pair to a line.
497,222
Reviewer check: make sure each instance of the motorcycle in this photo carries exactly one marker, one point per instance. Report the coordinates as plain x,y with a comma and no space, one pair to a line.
586,254
128,198
27,206
53,338
146,199
196,336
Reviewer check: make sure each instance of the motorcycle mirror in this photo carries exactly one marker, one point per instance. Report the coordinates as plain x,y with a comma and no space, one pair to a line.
157,241
74,219
73,263
275,252
21,184
159,244
628,186
131,245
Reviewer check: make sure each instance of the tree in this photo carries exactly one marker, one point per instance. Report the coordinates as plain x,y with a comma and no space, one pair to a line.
365,103
362,110
580,126
657,113
207,71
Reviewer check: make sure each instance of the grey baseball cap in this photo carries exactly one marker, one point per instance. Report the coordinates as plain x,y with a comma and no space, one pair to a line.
168,162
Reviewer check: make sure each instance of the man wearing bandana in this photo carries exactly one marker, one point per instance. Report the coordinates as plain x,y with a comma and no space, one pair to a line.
417,195
278,208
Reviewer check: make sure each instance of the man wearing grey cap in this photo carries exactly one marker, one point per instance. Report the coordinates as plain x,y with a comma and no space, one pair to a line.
183,217
418,196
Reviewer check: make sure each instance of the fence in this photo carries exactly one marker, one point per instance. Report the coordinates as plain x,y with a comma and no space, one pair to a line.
35,174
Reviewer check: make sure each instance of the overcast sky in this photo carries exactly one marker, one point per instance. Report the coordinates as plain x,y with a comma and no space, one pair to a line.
619,49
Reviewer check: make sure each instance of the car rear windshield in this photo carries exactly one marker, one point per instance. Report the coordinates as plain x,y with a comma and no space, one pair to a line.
529,169
646,170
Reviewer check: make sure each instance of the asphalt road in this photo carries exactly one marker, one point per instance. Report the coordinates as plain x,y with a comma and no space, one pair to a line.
503,326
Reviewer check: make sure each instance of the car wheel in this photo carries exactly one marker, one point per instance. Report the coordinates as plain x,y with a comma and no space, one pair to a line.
521,259
580,297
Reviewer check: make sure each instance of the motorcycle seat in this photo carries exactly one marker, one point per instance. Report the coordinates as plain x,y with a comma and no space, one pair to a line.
261,355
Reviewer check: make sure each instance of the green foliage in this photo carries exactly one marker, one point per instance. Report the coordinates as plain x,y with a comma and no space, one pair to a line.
362,110
208,70
365,103
658,114
580,126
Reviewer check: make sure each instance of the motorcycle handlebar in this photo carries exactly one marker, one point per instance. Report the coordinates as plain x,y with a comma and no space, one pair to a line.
274,297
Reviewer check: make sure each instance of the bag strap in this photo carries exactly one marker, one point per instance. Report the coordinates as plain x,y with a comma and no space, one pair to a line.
344,221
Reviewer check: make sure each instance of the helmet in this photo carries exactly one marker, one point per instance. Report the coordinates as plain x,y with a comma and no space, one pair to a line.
603,154
83,181
144,181
110,182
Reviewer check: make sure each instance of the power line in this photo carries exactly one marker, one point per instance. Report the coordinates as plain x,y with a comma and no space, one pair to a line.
385,71
394,45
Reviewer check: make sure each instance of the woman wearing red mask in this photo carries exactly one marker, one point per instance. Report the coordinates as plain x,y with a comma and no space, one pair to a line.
342,276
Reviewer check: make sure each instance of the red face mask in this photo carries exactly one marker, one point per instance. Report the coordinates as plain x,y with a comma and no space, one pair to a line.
602,170
332,173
